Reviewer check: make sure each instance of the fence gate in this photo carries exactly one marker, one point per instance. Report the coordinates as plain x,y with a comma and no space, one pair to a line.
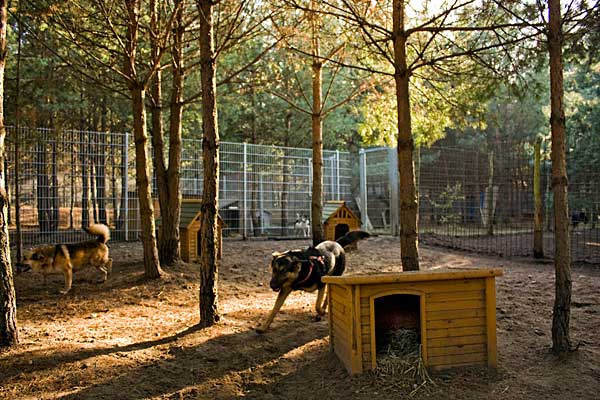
379,190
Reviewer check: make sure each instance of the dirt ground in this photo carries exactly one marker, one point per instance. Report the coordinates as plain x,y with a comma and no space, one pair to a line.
133,339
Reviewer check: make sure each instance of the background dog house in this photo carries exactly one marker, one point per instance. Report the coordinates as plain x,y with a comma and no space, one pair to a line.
454,311
189,230
338,220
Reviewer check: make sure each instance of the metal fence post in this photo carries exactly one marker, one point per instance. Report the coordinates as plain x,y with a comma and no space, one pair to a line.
337,174
394,185
363,188
126,186
310,185
261,200
332,190
245,166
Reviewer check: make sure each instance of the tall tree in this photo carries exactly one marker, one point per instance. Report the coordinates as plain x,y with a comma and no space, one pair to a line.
209,301
409,205
8,304
427,47
305,37
239,22
316,205
137,91
561,341
538,214
168,175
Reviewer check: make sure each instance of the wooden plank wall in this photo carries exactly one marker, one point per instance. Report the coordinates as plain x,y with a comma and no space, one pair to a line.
365,333
456,325
185,245
341,323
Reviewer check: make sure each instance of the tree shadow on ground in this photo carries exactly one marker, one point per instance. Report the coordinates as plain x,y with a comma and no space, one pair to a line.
185,365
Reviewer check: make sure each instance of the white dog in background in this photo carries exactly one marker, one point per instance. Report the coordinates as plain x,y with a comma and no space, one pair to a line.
302,226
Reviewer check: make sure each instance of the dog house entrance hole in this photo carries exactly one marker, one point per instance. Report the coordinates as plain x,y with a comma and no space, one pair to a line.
341,230
397,324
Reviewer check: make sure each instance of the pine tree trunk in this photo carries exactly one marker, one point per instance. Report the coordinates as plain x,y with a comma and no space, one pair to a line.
285,179
53,206
170,249
17,153
490,194
137,91
167,178
93,193
124,171
409,207
209,300
160,171
113,178
538,218
562,252
72,184
8,305
101,166
255,212
316,209
151,263
85,215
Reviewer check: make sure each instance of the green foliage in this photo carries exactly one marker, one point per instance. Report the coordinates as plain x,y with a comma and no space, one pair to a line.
445,203
508,100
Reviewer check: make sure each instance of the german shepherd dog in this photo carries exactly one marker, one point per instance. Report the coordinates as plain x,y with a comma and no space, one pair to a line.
303,270
67,258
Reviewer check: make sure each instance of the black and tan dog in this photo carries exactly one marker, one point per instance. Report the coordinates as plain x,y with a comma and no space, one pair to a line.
303,270
67,258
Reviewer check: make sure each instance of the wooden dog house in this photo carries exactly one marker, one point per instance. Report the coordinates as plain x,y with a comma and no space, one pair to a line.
338,220
453,311
189,230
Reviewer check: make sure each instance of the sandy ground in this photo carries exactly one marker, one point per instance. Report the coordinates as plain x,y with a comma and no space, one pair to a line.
133,339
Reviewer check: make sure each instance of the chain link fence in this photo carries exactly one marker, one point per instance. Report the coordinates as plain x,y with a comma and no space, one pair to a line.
470,197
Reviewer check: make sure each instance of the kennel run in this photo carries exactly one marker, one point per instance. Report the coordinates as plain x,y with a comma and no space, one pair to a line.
453,311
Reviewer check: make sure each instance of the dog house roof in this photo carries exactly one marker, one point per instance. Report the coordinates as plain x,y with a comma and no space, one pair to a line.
190,209
414,276
331,207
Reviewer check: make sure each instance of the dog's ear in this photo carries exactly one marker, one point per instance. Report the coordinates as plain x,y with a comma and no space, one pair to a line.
37,256
276,254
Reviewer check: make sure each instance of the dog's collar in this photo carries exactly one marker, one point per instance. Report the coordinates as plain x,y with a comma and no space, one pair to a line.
311,263
310,270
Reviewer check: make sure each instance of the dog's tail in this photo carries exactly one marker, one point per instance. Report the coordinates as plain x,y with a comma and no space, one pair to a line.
352,237
99,230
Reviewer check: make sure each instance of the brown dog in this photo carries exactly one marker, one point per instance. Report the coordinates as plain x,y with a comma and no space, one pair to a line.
303,270
67,258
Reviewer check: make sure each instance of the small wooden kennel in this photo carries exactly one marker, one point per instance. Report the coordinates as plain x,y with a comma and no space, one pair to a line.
453,311
338,219
189,229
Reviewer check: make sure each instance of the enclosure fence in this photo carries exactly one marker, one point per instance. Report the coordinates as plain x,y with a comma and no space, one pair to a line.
470,197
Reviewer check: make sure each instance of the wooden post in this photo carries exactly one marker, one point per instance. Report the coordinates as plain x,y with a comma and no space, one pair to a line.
538,219
490,305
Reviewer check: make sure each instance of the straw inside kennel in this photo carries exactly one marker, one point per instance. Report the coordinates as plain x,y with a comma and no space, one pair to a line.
397,324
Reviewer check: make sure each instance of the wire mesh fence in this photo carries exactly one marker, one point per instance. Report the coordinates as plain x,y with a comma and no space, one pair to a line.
483,200
69,179
470,197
